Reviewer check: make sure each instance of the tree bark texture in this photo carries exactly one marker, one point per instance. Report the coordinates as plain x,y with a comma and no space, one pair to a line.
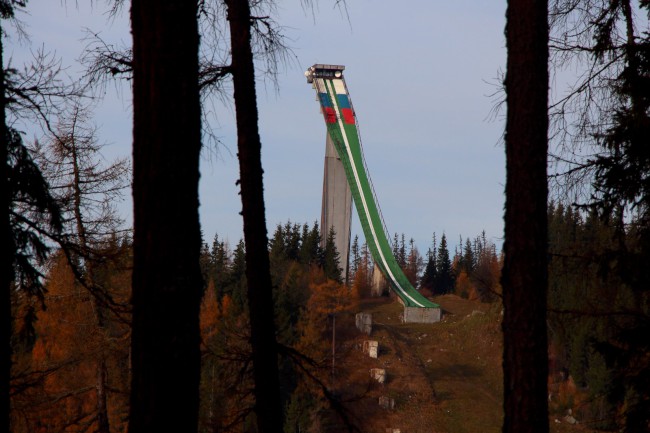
6,243
268,407
524,278
167,282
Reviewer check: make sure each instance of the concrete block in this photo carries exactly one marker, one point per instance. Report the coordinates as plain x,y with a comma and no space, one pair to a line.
364,322
421,315
386,402
378,374
371,348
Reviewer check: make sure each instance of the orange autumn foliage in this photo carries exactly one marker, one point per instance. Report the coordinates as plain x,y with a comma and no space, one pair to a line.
464,286
209,313
327,299
64,361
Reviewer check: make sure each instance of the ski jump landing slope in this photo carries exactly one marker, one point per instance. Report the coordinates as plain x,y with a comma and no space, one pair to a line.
342,128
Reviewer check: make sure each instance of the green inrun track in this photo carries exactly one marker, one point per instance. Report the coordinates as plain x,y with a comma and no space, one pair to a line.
343,130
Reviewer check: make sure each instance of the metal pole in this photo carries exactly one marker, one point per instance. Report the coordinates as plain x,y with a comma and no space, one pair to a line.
333,348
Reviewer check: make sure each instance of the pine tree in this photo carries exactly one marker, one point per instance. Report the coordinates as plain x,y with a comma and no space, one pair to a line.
220,258
292,240
236,287
429,276
32,211
444,281
401,252
430,270
355,258
310,250
205,261
396,247
469,261
277,243
331,258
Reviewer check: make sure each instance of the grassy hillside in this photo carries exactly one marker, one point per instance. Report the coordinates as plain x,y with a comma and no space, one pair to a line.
444,377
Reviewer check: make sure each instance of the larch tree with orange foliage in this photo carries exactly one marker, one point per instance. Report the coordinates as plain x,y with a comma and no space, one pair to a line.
327,300
312,401
362,281
87,191
209,318
226,399
414,264
61,371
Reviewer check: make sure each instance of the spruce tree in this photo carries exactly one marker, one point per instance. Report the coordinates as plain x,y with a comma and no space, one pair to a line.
220,264
469,260
444,281
396,247
430,271
310,250
292,240
236,287
429,276
355,256
401,252
277,246
331,258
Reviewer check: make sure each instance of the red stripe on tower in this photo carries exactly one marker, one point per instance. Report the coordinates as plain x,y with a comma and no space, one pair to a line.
330,114
348,115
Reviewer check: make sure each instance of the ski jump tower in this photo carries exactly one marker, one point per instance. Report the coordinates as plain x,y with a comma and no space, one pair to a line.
346,176
336,211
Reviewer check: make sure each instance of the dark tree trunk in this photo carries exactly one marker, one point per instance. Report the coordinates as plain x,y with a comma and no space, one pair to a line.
268,407
524,278
6,243
103,425
167,282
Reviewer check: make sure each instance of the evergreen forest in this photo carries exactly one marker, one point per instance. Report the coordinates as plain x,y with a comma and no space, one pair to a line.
147,326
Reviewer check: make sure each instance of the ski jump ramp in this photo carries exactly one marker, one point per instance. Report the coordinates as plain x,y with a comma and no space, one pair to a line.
342,128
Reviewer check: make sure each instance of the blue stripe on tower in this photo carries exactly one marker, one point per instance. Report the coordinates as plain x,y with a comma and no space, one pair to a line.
346,110
343,100
324,100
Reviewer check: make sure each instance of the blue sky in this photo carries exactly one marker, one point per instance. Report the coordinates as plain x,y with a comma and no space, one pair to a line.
420,77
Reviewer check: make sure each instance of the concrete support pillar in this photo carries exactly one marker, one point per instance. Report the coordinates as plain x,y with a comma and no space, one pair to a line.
379,284
337,205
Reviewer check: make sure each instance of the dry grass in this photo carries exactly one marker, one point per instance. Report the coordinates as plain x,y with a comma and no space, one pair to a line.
444,377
